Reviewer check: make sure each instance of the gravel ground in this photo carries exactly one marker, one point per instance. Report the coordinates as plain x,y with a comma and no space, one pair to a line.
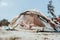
28,35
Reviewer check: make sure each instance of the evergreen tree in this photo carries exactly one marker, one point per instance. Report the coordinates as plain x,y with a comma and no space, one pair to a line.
51,8
59,16
4,22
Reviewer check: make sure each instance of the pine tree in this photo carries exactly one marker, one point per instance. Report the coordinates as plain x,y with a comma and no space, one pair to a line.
59,16
4,22
51,8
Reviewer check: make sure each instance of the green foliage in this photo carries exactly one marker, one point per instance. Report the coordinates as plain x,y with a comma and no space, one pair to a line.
4,22
59,16
51,9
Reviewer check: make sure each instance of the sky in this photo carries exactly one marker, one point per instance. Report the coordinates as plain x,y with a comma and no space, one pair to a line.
10,8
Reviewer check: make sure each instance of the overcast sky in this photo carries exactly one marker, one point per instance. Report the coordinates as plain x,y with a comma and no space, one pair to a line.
10,8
